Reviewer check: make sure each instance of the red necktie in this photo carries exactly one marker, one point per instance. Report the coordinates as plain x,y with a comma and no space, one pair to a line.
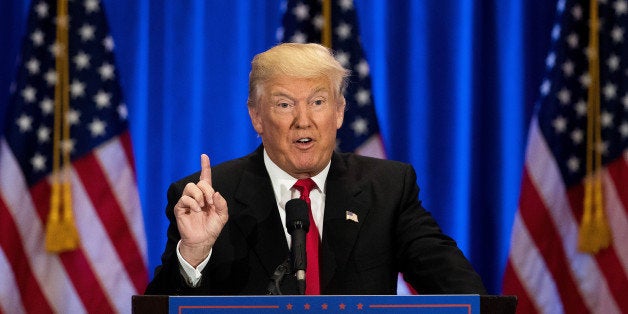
312,243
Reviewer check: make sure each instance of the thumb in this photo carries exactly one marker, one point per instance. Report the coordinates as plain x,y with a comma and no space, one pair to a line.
206,170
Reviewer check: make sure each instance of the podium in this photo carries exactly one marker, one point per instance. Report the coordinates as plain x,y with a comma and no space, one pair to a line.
468,304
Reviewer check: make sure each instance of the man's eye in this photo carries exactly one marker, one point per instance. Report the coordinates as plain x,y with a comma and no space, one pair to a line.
319,102
283,105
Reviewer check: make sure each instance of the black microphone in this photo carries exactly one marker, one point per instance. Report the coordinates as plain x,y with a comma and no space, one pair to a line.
298,223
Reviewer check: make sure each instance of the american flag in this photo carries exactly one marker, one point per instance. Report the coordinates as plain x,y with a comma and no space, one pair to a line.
109,264
545,268
303,22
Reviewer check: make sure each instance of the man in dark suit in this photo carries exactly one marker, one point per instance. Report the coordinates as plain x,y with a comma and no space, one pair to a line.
227,232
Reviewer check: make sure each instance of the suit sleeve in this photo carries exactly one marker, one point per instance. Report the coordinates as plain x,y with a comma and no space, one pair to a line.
430,260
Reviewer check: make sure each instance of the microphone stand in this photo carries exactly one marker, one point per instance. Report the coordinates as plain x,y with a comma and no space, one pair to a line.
277,277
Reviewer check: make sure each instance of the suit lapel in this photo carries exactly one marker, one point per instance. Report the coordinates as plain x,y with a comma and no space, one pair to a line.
343,196
258,217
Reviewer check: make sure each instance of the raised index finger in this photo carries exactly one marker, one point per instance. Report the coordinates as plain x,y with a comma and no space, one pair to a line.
206,170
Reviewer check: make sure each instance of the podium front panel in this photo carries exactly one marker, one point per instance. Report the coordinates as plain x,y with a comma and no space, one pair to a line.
424,304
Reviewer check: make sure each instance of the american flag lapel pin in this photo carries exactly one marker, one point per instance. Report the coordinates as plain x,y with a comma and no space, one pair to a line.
351,216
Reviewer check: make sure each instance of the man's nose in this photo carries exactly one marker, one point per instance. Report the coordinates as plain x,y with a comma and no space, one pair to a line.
302,115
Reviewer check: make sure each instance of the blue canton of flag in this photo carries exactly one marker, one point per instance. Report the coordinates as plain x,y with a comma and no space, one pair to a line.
562,107
97,112
303,22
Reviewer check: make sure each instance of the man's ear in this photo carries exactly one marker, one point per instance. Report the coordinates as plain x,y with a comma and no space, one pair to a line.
340,111
256,119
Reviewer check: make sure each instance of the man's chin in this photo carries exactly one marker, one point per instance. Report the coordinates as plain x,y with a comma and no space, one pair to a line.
304,170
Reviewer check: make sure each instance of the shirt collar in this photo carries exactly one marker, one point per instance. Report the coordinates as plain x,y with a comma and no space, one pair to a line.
283,182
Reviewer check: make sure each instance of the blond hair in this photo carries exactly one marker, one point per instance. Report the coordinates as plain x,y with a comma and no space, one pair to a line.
298,61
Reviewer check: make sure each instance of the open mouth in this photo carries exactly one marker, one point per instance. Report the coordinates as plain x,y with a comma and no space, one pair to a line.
304,140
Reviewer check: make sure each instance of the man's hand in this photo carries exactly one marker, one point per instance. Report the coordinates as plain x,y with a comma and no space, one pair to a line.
201,214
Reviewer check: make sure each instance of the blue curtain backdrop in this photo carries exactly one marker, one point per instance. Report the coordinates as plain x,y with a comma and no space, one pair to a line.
454,86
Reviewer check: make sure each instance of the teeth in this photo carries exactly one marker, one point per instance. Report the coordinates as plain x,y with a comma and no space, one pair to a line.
304,140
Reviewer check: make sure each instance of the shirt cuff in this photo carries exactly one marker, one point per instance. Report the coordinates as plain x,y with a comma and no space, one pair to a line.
192,275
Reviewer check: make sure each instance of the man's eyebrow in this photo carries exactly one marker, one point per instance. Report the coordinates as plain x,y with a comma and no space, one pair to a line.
320,89
317,91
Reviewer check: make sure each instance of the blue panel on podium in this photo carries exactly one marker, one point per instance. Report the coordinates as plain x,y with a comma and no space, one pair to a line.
454,304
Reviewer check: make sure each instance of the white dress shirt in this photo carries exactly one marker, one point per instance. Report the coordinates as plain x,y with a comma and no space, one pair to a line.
282,184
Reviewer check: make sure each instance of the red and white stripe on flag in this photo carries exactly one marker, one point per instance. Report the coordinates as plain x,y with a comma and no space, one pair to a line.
545,269
110,264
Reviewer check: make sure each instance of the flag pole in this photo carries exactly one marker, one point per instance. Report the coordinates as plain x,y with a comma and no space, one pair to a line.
326,33
61,233
594,233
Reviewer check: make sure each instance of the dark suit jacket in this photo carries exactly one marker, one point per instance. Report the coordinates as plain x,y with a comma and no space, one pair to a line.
394,234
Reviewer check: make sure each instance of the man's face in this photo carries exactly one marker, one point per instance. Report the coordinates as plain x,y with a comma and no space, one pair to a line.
297,120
